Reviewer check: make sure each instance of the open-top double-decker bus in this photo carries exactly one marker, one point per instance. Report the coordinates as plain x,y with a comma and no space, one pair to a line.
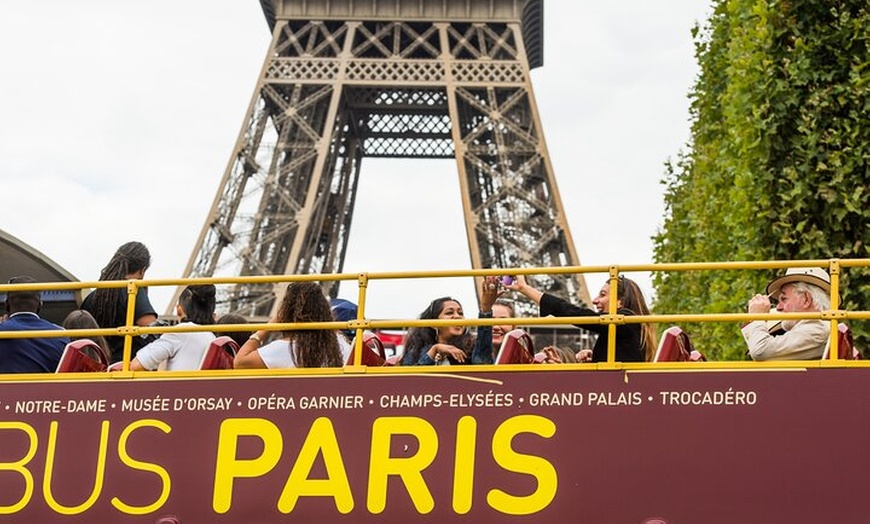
659,442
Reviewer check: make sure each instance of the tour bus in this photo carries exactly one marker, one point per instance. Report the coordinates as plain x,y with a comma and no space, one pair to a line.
679,440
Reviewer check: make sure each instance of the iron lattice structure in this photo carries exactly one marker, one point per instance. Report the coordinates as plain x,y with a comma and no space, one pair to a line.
386,78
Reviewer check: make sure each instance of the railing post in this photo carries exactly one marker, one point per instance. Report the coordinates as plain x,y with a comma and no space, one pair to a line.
363,281
129,324
611,312
834,271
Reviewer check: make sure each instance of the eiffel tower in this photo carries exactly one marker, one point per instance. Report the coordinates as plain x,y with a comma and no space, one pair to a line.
348,79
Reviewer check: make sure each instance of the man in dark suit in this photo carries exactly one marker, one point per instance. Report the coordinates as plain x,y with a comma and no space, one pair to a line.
28,355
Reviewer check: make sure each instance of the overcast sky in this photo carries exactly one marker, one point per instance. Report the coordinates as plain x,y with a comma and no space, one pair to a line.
117,120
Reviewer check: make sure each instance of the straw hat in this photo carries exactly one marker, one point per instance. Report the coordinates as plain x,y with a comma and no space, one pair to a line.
811,275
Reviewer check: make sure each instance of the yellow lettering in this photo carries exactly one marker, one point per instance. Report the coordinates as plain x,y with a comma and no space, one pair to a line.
541,469
321,438
409,469
463,468
49,470
19,467
228,468
143,466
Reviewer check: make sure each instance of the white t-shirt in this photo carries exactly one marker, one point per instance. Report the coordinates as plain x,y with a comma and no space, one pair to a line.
277,354
181,351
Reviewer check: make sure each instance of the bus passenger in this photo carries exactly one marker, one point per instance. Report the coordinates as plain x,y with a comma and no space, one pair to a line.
81,319
548,355
109,305
634,342
239,337
303,348
800,290
427,346
182,351
343,311
28,355
501,309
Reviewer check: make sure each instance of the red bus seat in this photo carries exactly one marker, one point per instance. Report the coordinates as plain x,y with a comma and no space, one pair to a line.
220,354
675,346
374,342
516,348
393,340
845,344
82,356
374,353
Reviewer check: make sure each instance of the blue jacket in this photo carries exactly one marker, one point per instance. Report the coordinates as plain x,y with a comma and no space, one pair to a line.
30,355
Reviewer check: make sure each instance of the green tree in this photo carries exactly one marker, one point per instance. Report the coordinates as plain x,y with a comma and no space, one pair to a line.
777,166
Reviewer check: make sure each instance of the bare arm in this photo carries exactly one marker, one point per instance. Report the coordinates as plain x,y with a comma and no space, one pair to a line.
248,356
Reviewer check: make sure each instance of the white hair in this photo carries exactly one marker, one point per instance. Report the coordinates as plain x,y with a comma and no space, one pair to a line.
819,298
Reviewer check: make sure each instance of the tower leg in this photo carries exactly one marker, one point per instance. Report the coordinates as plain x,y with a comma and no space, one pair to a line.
332,92
513,212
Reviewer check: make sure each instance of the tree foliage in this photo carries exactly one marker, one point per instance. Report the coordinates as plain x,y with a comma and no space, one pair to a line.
777,166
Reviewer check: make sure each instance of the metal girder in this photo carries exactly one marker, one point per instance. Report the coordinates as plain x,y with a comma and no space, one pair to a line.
332,92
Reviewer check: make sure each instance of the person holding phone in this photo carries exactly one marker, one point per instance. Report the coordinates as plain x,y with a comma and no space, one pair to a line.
634,342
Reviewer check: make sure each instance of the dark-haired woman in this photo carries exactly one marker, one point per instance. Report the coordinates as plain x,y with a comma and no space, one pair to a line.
427,346
182,350
108,306
634,342
303,348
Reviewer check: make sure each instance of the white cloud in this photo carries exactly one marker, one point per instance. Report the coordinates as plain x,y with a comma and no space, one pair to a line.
118,120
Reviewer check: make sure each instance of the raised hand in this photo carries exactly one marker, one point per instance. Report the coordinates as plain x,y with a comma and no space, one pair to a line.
489,292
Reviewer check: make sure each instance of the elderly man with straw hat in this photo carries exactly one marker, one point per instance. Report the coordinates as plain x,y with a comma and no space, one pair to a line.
800,290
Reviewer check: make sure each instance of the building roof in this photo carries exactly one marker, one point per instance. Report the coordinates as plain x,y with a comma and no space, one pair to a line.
19,258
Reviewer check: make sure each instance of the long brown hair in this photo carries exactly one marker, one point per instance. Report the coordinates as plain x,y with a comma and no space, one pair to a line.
81,319
632,299
312,348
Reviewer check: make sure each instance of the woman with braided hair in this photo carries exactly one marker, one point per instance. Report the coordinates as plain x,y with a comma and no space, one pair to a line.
302,348
182,351
108,306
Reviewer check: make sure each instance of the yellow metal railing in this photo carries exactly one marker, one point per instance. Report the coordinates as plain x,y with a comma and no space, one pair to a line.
362,323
